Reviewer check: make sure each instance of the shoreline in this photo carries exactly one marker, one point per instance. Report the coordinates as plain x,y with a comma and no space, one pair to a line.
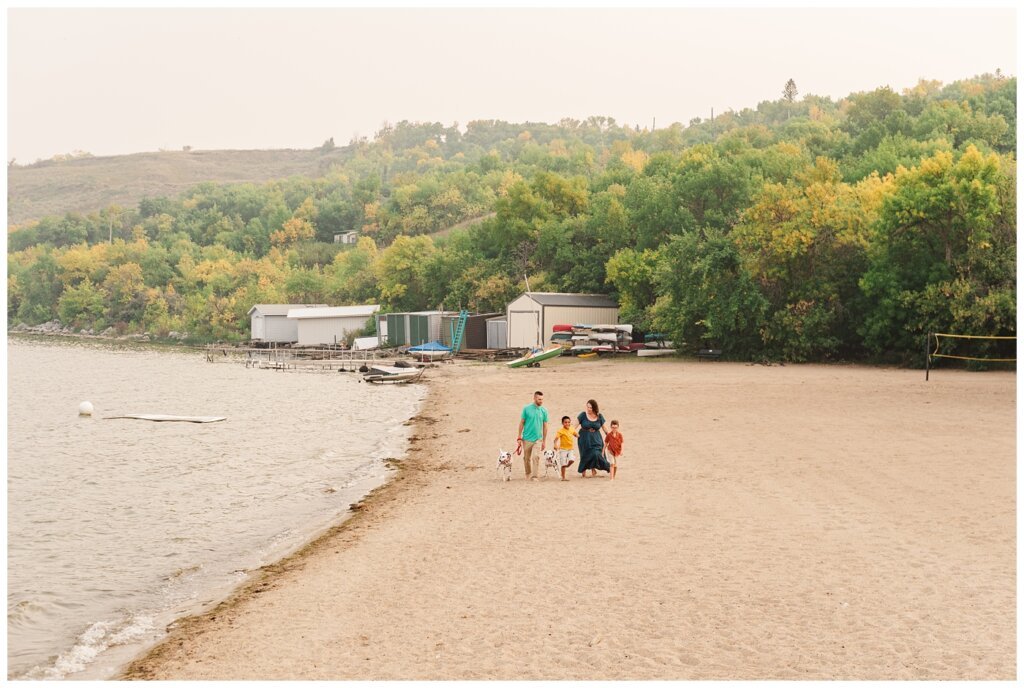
808,522
266,577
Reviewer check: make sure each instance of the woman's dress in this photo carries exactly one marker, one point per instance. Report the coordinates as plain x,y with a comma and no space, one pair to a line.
591,444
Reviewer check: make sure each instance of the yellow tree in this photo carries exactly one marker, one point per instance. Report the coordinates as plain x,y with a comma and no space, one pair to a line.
805,244
292,232
300,227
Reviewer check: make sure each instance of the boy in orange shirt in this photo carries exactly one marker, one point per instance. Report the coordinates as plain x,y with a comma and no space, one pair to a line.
613,441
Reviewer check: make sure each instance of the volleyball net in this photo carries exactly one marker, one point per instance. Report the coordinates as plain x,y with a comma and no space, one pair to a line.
969,347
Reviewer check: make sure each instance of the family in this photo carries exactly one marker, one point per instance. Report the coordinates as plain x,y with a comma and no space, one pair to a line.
595,453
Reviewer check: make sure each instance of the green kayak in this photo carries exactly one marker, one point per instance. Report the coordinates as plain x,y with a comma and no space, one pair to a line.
534,357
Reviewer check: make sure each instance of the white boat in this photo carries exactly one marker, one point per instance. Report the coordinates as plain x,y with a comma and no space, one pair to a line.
659,344
392,375
647,353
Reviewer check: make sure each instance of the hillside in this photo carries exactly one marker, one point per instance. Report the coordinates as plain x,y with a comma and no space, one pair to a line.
84,185
801,230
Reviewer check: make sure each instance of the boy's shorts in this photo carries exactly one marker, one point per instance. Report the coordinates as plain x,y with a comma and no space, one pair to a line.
565,457
612,459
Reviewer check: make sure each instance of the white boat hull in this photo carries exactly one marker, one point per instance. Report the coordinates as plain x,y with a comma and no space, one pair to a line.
391,378
647,353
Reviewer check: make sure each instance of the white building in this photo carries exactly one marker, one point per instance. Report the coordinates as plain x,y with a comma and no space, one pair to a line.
269,322
346,238
330,325
532,316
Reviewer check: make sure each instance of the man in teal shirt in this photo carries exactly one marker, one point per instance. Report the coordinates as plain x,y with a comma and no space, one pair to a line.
533,426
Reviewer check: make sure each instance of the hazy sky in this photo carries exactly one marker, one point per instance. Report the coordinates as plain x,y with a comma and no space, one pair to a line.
129,80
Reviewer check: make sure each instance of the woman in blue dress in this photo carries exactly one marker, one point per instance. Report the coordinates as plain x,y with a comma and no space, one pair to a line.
591,425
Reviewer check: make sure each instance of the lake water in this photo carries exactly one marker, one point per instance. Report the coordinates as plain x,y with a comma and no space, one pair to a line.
116,527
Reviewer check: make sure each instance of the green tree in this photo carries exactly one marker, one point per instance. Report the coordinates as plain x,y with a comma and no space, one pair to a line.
935,258
633,275
789,92
124,285
706,297
401,273
305,286
81,305
40,289
351,277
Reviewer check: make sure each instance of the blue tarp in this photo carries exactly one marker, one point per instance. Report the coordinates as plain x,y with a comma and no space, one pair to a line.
431,346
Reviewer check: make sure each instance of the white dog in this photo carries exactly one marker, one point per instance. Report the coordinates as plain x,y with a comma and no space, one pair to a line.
550,462
504,465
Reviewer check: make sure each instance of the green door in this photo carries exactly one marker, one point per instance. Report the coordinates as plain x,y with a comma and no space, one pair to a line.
396,329
418,330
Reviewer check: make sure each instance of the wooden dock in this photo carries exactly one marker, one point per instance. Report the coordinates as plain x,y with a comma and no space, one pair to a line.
329,358
342,360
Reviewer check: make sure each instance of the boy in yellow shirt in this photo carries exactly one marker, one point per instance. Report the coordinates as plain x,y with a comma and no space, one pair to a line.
563,444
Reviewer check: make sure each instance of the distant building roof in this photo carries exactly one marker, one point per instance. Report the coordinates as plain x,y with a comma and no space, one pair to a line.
282,308
584,300
335,312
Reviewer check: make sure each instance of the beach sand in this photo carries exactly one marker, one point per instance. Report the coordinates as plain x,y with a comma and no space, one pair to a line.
769,522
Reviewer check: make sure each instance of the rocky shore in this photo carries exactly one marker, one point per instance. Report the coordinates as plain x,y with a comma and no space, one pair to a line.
57,328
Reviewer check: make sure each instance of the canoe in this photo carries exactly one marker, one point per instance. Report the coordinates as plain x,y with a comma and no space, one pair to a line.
628,329
534,357
647,353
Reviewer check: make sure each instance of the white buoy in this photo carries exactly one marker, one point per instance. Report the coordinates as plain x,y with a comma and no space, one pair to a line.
85,409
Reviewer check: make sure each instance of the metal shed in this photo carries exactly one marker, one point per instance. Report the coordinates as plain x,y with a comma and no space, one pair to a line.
532,316
414,328
475,336
269,322
497,333
331,326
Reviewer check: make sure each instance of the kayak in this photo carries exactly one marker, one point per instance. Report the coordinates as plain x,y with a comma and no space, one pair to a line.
534,357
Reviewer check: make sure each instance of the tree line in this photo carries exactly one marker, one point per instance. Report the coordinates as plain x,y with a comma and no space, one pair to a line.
800,230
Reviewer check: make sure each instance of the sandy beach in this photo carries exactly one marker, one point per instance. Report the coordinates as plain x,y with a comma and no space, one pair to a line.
769,522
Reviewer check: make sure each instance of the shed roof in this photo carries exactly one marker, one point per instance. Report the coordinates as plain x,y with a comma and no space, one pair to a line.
335,312
282,308
584,300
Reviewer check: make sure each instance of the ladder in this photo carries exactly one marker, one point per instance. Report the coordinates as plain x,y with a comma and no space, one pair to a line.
459,329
